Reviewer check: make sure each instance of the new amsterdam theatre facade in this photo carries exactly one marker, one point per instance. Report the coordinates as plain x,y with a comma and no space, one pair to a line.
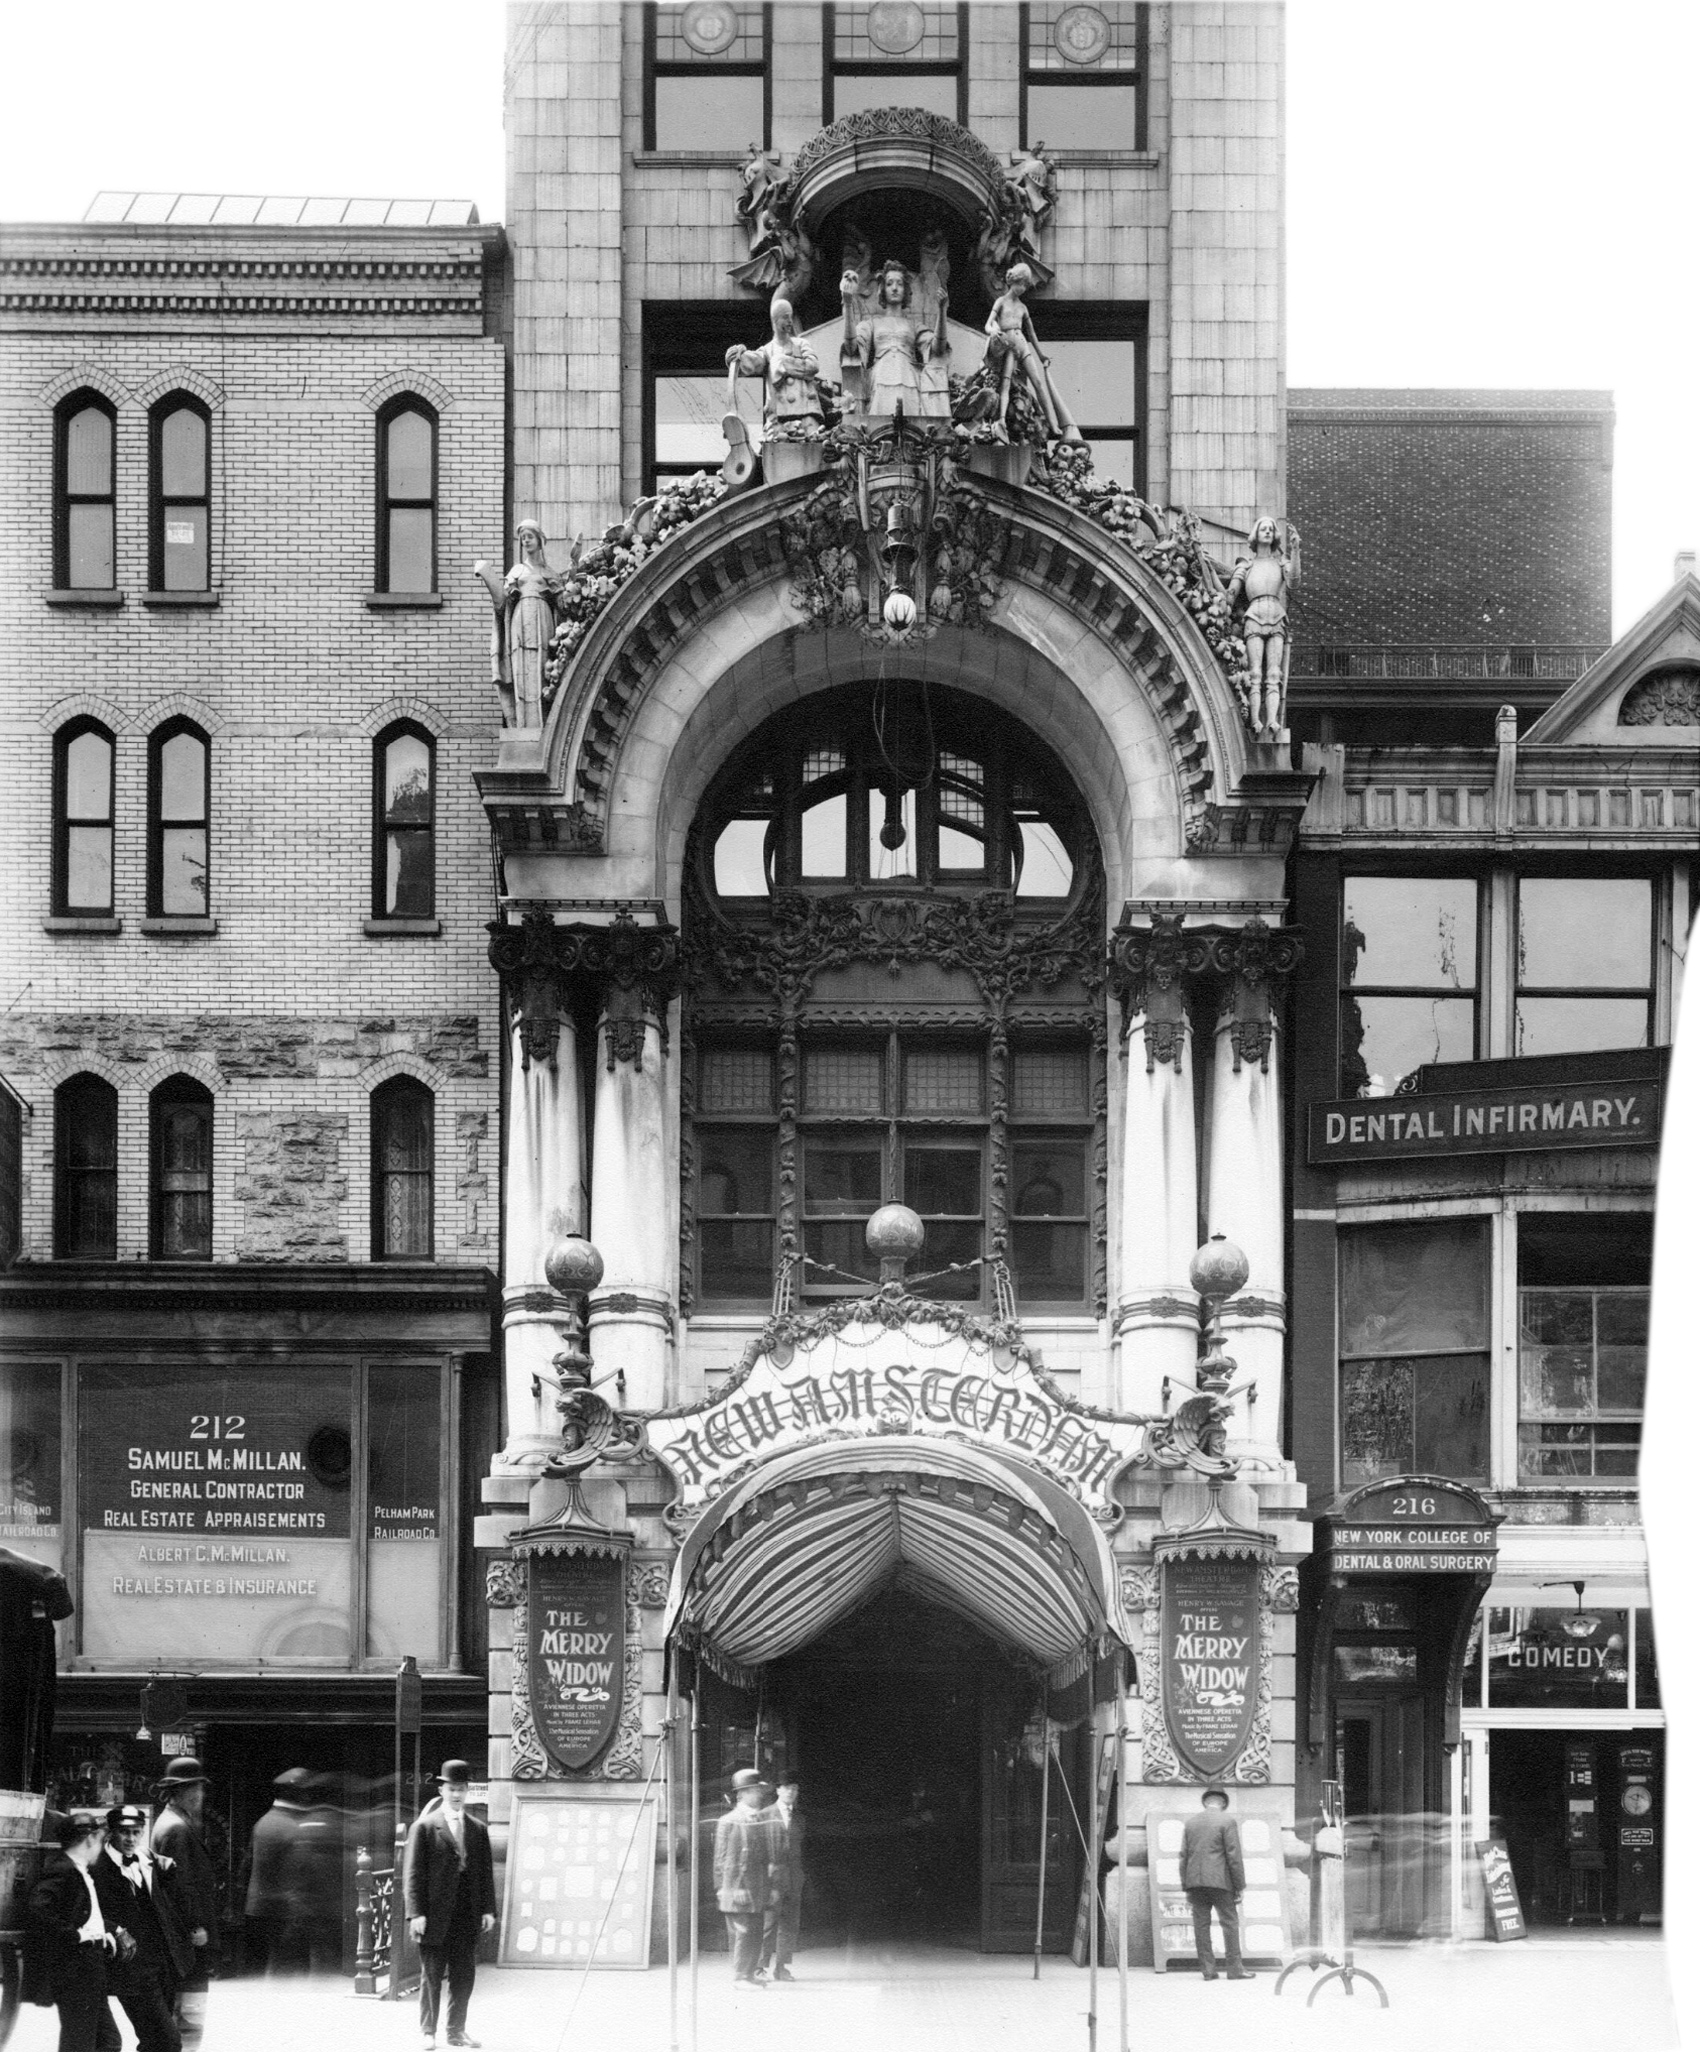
1024,1038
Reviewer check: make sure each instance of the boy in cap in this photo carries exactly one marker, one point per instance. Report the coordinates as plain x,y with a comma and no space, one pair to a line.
449,1881
746,1873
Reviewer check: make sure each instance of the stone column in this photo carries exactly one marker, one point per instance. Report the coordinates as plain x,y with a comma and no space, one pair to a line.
1244,1191
1157,1308
634,1168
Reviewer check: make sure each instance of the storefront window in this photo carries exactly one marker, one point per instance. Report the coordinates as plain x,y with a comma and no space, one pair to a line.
30,1474
1582,1346
1584,963
1646,1663
1414,1337
1408,971
1560,1659
404,1538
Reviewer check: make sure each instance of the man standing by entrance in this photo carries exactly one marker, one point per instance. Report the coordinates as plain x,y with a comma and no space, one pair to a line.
779,1932
1213,1875
449,1882
177,1838
746,1873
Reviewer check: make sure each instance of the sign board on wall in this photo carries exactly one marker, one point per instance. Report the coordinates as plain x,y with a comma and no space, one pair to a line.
579,1881
1212,1648
1506,1121
1263,1908
30,1483
577,1652
1412,1525
1505,1907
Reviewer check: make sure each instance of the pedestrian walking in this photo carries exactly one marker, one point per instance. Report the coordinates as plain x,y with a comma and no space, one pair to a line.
779,1929
177,1839
1213,1875
449,1884
273,1900
746,1873
138,1896
69,1950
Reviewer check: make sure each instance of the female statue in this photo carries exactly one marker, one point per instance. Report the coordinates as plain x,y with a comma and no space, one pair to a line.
902,363
523,628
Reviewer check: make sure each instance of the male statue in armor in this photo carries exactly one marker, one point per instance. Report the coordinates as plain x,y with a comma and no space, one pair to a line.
1260,588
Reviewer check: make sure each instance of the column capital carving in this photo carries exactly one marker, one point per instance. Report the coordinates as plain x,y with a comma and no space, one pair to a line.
1149,968
637,970
1253,961
631,972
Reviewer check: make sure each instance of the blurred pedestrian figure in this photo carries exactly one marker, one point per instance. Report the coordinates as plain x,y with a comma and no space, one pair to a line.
1213,1875
177,1838
273,1878
69,1950
746,1873
138,1896
315,1872
449,1883
779,1931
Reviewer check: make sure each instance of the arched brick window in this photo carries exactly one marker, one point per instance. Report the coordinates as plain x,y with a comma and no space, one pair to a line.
403,1158
85,1198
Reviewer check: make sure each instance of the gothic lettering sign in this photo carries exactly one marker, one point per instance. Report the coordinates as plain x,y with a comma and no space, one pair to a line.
1487,1121
910,1377
1211,1650
1411,1526
577,1652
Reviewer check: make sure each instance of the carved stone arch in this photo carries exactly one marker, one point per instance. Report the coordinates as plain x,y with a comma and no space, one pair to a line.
179,705
51,1074
382,390
199,1068
384,1068
95,377
85,705
182,377
422,711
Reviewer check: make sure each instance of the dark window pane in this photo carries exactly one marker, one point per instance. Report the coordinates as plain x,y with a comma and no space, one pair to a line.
1556,1382
86,1144
737,1258
843,1079
1548,1025
410,548
740,859
185,1225
736,1173
31,1477
935,92
183,871
402,1158
183,455
88,869
405,1126
1083,117
1376,1410
93,558
1450,1417
1556,1659
183,778
407,1215
942,1180
950,1241
183,557
943,1080
1414,1289
88,453
824,834
735,1079
1049,1179
407,781
1585,931
1391,1036
1622,1316
1049,1261
1623,1379
1646,1663
841,1178
408,874
409,474
1098,381
88,777
707,111
1047,1081
841,1244
404,1450
1412,930
1558,1318
90,1121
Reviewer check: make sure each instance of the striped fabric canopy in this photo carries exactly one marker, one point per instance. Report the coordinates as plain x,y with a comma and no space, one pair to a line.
811,1535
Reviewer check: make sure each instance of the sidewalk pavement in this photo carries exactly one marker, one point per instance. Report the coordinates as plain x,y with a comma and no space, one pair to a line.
1550,1993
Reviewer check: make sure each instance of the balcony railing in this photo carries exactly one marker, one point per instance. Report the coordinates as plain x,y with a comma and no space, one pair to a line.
1460,661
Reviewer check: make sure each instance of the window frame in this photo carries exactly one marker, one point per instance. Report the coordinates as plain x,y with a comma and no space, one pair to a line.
1648,990
1110,320
673,331
1475,991
395,1090
64,498
94,1088
157,825
391,411
832,70
63,822
175,1092
381,829
160,503
655,67
1139,77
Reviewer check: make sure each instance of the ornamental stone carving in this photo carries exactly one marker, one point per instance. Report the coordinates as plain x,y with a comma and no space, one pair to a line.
1254,959
632,970
1258,592
1149,968
1668,698
504,1584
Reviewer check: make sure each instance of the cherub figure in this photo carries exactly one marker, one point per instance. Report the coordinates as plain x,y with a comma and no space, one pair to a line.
1014,344
1259,589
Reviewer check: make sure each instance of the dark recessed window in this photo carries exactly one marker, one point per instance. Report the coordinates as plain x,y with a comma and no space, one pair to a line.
684,385
404,882
1582,1307
82,819
706,76
85,1144
1584,963
895,53
181,1117
179,547
1083,76
85,547
177,822
402,1157
1097,365
1408,976
407,497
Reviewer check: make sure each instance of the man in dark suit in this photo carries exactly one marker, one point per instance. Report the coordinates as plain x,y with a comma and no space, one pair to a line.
779,1933
177,1842
746,1873
69,1947
449,1883
1213,1875
138,1894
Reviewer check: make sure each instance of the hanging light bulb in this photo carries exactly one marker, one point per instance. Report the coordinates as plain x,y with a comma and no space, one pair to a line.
1582,1624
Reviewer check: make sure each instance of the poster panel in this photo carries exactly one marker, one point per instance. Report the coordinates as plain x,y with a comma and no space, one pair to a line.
577,1652
1212,1644
1263,1907
579,1875
1505,1907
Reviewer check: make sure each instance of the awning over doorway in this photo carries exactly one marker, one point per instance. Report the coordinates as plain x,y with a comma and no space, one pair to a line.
811,1535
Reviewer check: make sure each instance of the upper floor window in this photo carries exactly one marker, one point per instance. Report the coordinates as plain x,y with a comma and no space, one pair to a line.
1583,1292
85,541
407,496
177,822
1083,76
1097,357
82,819
895,53
179,550
403,1152
706,77
404,884
684,386
85,1142
1584,963
1408,975
181,1120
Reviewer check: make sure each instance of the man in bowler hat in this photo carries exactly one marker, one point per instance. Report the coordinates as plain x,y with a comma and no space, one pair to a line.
69,1949
449,1882
177,1839
779,1933
747,1870
1213,1875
